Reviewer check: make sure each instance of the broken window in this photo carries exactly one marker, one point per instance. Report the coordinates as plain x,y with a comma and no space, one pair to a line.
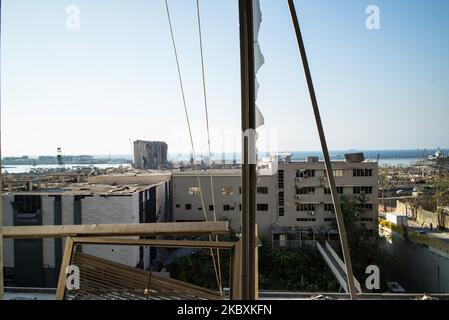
363,189
327,190
305,173
227,191
305,206
366,206
281,212
194,191
306,190
262,190
362,172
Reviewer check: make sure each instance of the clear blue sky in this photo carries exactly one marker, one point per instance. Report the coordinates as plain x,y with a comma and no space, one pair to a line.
92,90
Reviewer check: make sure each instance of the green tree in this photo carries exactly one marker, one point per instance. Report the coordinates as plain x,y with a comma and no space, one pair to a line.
366,247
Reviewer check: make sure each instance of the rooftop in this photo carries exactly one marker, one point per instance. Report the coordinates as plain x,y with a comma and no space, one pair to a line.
217,173
86,189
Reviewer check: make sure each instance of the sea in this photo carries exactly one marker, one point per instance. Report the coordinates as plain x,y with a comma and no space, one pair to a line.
384,157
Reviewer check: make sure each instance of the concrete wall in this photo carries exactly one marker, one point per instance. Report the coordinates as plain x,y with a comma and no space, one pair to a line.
422,216
150,154
67,209
181,197
419,268
109,210
48,218
94,210
160,202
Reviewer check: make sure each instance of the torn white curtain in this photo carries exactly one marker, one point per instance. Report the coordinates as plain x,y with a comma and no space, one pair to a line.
259,59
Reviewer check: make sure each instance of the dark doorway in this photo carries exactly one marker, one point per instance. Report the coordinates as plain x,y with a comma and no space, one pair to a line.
28,253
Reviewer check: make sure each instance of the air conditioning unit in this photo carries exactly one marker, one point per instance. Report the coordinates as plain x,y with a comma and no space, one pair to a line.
312,213
298,197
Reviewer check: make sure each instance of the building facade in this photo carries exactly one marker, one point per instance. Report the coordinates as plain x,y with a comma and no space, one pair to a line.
150,155
190,205
305,208
293,198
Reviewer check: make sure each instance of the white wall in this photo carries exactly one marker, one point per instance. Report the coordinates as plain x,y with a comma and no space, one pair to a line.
181,197
67,209
419,269
48,218
94,210
109,210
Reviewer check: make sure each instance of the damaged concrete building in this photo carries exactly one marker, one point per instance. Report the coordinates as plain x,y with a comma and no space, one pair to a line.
150,154
103,200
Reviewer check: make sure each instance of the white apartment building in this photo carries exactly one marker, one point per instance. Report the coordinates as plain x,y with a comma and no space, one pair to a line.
293,199
36,262
305,209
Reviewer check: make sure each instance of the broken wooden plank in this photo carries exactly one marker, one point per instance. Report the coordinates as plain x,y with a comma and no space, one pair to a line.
101,278
236,274
68,251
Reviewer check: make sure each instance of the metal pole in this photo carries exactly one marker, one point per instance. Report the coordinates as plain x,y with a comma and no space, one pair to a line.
330,173
248,168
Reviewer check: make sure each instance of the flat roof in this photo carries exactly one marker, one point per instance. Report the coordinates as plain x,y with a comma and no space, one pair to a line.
338,163
86,189
131,178
216,173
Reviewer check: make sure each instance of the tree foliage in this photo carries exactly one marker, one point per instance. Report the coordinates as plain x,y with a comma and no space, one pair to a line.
366,247
296,269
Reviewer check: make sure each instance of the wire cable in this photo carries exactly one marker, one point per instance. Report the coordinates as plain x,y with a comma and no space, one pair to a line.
190,134
203,72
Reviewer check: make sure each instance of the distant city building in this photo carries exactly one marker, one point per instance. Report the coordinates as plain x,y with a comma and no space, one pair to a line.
150,154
